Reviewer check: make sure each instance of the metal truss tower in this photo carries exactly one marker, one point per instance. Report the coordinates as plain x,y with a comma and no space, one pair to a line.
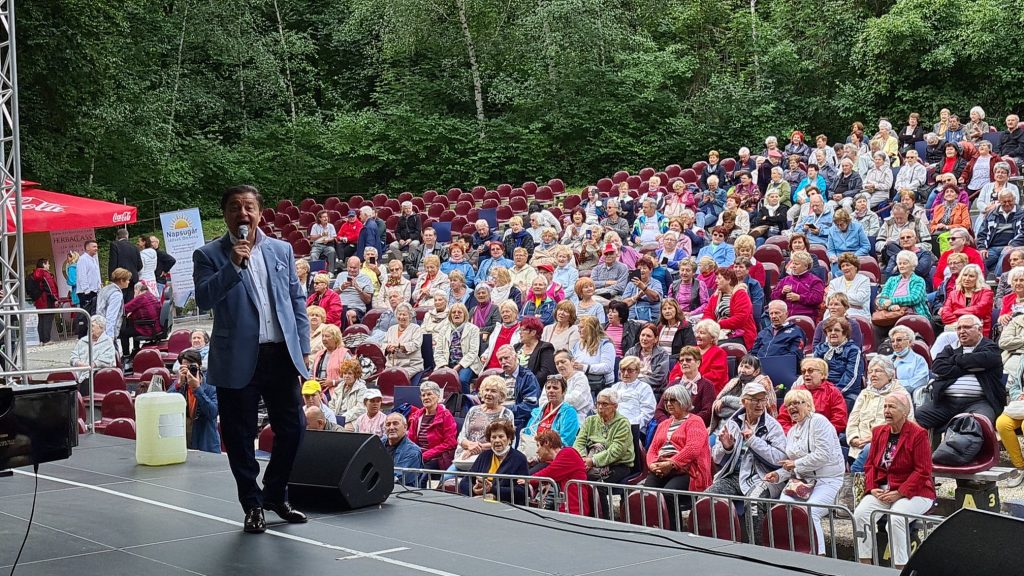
12,251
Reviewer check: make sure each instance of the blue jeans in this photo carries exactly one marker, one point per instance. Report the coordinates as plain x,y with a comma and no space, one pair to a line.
466,377
994,261
862,458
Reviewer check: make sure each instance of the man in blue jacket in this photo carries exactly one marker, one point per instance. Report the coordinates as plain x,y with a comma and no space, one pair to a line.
526,388
404,453
780,342
200,403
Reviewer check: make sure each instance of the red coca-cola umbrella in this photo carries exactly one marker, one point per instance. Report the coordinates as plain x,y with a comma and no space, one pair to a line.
45,211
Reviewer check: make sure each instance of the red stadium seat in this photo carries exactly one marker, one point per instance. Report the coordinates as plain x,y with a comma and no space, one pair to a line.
306,204
447,379
689,176
673,170
648,509
121,428
556,185
987,459
544,194
807,325
716,518
453,194
146,359
699,166
769,253
530,187
372,316
148,375
605,185
777,536
283,205
646,173
387,379
301,248
108,380
116,404
405,197
265,443
429,196
504,189
620,176
920,325
571,202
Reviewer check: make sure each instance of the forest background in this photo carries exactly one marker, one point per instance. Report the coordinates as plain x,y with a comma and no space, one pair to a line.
165,103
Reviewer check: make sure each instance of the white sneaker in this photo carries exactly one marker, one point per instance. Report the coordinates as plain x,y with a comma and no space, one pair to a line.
1016,480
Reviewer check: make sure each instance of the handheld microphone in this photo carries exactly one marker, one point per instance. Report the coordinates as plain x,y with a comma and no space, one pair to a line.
243,232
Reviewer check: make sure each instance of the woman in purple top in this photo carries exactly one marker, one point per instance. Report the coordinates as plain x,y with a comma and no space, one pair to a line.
690,293
802,291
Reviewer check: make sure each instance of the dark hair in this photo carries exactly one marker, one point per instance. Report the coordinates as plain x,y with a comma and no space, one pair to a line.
503,425
729,274
87,242
620,308
752,361
557,378
193,356
41,262
237,191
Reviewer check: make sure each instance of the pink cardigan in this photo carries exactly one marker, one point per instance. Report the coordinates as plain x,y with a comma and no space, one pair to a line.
693,456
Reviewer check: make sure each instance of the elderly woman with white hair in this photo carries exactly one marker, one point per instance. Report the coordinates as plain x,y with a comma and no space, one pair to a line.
679,457
878,181
904,291
472,439
976,128
897,477
605,442
104,354
868,410
433,429
911,368
813,468
403,341
890,145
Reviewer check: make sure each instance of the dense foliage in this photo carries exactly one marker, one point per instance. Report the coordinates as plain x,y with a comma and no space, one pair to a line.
171,101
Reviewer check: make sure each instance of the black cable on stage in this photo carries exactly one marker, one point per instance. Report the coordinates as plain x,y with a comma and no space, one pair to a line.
31,514
588,531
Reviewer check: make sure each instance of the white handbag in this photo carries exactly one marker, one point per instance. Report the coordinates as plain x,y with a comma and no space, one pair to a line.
1015,410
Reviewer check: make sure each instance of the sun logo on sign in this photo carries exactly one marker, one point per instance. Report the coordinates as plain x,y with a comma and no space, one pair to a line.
180,223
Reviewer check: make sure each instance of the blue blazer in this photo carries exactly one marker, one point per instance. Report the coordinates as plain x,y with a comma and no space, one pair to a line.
234,342
205,435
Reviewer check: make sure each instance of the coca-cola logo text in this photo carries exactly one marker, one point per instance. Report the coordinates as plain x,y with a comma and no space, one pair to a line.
37,204
122,217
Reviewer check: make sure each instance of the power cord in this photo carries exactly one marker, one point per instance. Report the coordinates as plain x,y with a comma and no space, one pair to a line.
35,492
589,532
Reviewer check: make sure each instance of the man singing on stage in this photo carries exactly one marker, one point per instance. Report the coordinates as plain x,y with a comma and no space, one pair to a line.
258,348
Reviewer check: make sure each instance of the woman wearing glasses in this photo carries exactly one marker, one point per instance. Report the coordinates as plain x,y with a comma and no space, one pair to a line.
828,400
813,456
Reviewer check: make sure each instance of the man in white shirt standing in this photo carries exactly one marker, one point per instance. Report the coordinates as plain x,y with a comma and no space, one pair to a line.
89,284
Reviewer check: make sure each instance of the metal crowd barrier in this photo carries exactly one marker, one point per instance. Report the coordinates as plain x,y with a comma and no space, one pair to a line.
537,489
928,523
8,376
753,507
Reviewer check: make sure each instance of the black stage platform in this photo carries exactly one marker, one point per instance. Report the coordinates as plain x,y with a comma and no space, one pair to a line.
100,513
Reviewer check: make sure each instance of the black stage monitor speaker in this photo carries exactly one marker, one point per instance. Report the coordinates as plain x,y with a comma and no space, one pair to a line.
968,542
38,423
341,469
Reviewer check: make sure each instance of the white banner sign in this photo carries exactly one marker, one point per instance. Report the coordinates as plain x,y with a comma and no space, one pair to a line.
64,241
183,235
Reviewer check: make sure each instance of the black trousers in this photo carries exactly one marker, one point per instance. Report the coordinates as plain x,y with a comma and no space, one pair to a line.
129,337
277,383
45,327
678,481
935,415
86,301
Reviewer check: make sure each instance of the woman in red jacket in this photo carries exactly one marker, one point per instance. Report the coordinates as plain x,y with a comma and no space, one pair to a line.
433,429
47,298
731,307
971,296
679,457
714,364
563,464
325,298
897,476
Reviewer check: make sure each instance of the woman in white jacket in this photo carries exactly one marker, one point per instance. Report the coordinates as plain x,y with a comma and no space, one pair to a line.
813,455
466,361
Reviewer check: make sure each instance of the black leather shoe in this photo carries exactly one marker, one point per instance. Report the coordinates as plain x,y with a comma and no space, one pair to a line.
286,512
254,522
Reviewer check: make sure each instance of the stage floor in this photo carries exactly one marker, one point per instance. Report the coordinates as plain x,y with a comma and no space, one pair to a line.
100,513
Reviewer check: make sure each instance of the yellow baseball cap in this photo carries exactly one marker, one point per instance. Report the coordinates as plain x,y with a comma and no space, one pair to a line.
310,387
